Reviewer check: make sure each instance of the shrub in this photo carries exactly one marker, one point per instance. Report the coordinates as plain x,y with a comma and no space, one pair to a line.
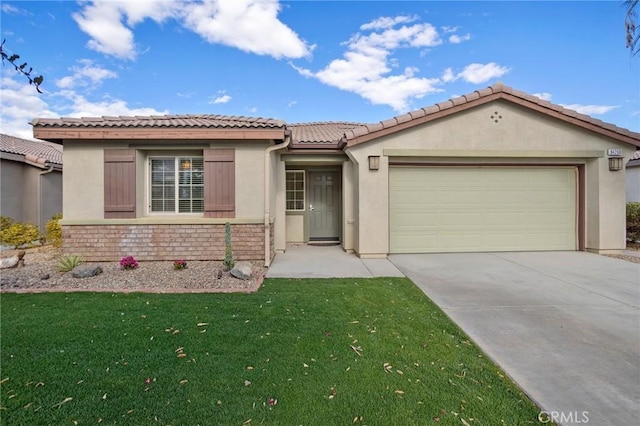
128,262
68,262
179,264
5,222
228,253
18,234
53,230
633,222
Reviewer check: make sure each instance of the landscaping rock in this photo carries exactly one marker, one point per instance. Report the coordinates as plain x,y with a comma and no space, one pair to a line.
242,270
13,261
44,277
86,271
9,281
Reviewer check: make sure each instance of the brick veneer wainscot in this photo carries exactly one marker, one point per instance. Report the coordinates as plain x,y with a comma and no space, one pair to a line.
163,242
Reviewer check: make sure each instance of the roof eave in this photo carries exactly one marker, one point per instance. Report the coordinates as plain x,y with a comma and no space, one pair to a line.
156,133
451,107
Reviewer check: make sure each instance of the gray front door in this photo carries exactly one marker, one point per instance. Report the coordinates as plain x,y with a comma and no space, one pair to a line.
324,206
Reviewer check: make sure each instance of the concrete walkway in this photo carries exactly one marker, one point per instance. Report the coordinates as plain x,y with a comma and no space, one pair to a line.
565,326
305,261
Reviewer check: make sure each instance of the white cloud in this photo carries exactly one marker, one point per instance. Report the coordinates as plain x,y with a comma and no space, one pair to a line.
223,99
590,109
250,25
475,73
582,109
12,10
365,67
448,76
101,21
82,107
481,73
291,103
20,104
447,29
387,22
85,75
455,38
545,96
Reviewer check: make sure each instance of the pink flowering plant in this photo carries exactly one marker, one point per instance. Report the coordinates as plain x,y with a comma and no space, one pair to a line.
179,264
128,262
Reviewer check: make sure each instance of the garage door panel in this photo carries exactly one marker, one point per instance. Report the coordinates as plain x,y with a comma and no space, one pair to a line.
466,209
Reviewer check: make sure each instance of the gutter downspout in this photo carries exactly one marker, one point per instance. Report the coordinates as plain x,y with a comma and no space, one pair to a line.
41,195
267,213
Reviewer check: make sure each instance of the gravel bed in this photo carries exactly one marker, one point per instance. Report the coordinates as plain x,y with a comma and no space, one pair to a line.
40,274
634,259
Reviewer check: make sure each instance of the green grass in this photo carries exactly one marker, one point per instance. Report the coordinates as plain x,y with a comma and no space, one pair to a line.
328,352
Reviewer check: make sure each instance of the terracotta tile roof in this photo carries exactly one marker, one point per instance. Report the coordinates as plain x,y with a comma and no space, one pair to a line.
497,91
326,134
39,152
180,121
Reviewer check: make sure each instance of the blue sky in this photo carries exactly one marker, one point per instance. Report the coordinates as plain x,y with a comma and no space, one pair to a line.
302,61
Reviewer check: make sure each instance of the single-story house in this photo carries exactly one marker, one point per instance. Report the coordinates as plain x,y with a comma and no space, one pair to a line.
31,180
493,170
633,178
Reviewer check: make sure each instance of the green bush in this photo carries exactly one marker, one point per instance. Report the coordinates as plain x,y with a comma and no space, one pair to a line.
5,222
18,234
633,222
68,262
53,230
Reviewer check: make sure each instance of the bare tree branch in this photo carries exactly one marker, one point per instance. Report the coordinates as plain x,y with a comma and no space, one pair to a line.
21,68
632,32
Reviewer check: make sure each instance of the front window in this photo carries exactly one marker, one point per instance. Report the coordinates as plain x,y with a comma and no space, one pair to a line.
295,190
177,185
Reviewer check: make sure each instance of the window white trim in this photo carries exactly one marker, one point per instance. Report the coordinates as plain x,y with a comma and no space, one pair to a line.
177,159
299,194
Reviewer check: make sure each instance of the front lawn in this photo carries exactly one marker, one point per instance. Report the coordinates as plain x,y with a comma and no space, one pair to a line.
318,352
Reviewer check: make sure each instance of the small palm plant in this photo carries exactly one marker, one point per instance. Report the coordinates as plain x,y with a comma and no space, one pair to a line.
68,262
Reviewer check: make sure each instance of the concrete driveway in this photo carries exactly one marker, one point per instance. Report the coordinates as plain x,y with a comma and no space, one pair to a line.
565,326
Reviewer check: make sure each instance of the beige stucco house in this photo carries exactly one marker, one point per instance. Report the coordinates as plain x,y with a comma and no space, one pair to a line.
494,170
30,180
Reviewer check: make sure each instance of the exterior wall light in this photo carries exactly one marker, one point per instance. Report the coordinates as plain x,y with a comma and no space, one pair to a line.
615,159
615,164
374,162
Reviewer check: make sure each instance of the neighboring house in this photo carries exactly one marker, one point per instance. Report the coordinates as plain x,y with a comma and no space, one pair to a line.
494,170
633,178
31,179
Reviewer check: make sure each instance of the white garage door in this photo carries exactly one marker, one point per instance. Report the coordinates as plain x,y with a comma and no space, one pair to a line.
474,209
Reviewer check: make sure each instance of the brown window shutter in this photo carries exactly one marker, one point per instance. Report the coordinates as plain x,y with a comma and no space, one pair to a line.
119,183
219,183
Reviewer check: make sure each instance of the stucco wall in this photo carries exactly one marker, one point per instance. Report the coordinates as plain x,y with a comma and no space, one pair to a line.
28,194
348,204
519,135
84,176
10,190
633,183
50,196
83,181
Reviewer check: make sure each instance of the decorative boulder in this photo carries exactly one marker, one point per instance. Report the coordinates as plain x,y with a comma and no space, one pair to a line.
242,270
86,270
13,261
